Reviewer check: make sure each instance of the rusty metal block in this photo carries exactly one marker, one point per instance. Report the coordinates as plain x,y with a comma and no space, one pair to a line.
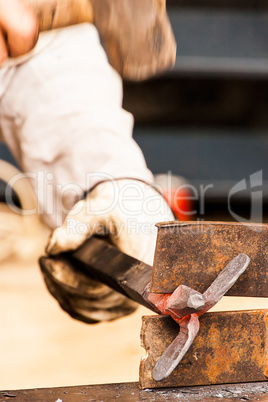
193,254
231,347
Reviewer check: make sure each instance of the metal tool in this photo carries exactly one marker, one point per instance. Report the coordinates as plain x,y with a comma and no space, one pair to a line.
137,35
185,305
131,277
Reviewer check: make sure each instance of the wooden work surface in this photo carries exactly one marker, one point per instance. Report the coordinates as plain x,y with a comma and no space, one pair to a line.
129,392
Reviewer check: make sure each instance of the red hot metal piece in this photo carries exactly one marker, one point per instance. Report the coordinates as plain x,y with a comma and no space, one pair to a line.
185,305
189,327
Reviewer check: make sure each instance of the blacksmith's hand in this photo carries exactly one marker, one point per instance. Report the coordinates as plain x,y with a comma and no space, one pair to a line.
18,29
126,211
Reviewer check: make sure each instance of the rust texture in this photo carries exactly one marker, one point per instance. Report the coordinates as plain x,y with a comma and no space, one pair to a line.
193,254
231,347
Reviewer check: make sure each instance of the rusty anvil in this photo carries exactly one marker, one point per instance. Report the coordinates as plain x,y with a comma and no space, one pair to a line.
195,265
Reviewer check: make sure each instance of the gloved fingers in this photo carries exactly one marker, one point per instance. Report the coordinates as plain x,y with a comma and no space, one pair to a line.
89,216
81,297
61,241
79,224
72,280
87,310
19,25
136,235
65,301
84,310
127,209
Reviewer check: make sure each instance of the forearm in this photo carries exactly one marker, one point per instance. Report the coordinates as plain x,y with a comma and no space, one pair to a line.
62,117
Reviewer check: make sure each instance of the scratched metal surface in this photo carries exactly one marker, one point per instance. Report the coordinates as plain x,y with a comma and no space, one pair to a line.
193,254
231,347
130,392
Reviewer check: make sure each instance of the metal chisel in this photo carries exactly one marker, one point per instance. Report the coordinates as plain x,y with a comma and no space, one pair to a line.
130,277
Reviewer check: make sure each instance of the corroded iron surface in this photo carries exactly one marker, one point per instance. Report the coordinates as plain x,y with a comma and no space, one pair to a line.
193,254
231,347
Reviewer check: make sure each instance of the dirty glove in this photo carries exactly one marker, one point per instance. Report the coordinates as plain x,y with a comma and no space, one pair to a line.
126,210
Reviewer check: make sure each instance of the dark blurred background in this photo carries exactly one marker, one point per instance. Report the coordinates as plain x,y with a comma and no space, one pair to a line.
207,120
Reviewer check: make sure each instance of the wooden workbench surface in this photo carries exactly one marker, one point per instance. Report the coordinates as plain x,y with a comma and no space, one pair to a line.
129,392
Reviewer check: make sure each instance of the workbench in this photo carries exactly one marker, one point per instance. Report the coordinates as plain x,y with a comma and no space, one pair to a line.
130,392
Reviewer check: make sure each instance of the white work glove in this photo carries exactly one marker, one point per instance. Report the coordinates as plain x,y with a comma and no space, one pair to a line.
126,210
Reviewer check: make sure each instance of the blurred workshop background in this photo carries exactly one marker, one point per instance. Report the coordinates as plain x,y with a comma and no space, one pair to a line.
207,121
